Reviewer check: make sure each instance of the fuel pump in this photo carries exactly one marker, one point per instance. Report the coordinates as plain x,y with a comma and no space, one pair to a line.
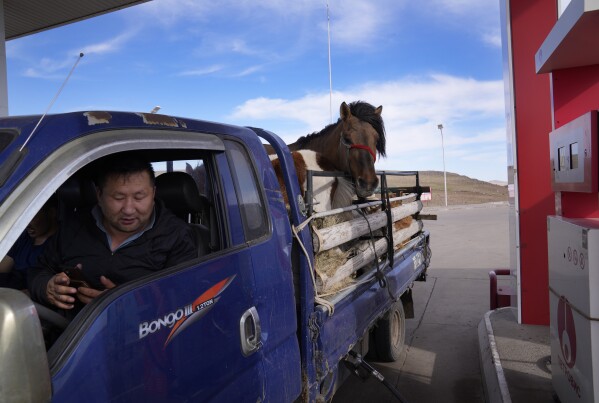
573,243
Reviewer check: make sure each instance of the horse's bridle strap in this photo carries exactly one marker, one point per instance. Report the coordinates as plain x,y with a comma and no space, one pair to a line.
363,147
358,146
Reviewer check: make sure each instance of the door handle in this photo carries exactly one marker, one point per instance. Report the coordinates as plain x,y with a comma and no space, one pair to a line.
250,331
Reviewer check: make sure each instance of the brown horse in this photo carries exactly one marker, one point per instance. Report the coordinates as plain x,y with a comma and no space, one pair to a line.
351,144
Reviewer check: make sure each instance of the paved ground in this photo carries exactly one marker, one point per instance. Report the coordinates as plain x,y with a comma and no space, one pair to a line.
525,357
441,360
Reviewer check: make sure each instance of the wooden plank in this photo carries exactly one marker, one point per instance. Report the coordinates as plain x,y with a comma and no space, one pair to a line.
335,235
325,283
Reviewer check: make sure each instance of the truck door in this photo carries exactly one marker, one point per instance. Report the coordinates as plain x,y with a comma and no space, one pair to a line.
268,233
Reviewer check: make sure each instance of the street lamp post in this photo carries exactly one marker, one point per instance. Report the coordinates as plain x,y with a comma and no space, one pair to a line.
440,127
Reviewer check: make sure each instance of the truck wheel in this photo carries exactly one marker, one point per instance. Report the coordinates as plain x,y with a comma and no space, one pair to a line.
390,334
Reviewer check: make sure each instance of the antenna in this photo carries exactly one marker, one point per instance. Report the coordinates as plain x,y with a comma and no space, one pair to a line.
330,73
155,109
51,102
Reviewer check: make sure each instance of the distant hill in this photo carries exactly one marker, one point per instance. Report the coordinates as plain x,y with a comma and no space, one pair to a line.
460,189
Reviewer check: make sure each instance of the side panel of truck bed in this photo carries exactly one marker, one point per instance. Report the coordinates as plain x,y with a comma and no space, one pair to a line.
359,309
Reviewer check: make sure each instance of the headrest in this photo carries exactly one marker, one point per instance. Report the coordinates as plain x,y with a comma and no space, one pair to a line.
77,192
179,192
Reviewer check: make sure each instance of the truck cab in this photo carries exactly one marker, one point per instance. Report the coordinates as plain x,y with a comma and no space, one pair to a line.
229,313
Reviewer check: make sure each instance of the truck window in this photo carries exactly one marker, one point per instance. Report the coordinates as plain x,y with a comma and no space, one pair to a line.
249,197
196,168
178,184
182,186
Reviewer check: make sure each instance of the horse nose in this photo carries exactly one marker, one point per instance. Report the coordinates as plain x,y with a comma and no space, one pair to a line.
366,187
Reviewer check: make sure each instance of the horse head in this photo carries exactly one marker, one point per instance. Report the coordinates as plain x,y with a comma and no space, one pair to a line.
362,137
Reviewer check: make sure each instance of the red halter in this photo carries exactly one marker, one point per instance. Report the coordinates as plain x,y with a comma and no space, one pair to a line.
358,146
363,147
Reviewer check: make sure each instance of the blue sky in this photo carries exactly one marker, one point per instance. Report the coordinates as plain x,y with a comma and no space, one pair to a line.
265,64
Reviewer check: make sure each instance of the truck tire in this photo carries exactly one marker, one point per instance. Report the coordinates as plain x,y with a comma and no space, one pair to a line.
390,334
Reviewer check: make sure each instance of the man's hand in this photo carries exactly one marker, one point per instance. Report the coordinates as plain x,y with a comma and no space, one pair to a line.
86,294
59,293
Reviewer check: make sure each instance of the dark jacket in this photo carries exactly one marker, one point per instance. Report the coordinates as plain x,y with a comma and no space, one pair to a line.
24,255
79,240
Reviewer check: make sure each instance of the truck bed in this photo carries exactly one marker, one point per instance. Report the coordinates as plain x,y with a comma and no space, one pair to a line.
357,309
331,326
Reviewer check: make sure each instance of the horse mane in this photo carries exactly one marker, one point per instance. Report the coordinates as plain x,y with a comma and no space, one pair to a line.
303,141
361,110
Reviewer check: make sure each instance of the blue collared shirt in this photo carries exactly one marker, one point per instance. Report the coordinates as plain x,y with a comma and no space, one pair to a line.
98,216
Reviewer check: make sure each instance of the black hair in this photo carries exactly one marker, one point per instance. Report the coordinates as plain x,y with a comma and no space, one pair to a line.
121,165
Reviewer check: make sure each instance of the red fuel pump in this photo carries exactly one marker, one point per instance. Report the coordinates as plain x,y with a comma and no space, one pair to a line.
570,54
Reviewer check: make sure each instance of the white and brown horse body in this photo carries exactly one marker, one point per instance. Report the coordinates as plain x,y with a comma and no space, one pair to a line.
327,192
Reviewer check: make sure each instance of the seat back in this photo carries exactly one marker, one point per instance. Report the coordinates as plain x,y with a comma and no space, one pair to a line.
180,195
74,194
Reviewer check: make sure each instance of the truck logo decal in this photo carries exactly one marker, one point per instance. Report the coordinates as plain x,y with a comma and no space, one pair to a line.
181,318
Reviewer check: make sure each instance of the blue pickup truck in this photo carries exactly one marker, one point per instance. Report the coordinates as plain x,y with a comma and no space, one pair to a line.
241,322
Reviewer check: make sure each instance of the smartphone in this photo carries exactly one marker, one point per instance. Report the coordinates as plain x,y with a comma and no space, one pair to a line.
76,278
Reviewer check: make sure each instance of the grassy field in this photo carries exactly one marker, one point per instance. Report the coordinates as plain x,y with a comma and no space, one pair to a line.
460,189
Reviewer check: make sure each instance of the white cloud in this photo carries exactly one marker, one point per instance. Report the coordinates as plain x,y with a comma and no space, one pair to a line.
48,68
169,12
361,23
492,38
110,45
216,46
248,71
471,112
203,71
414,99
355,23
240,46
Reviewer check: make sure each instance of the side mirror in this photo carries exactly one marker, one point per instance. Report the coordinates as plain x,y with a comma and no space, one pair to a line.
24,372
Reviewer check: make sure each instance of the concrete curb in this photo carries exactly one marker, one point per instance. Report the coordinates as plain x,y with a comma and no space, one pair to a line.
495,385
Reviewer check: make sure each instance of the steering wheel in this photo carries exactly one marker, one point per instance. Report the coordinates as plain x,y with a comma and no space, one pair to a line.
51,317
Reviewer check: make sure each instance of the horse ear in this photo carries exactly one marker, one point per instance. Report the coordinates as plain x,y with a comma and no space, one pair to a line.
378,110
188,168
344,111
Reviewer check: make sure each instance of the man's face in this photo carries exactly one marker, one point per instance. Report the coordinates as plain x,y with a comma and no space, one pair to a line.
127,203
